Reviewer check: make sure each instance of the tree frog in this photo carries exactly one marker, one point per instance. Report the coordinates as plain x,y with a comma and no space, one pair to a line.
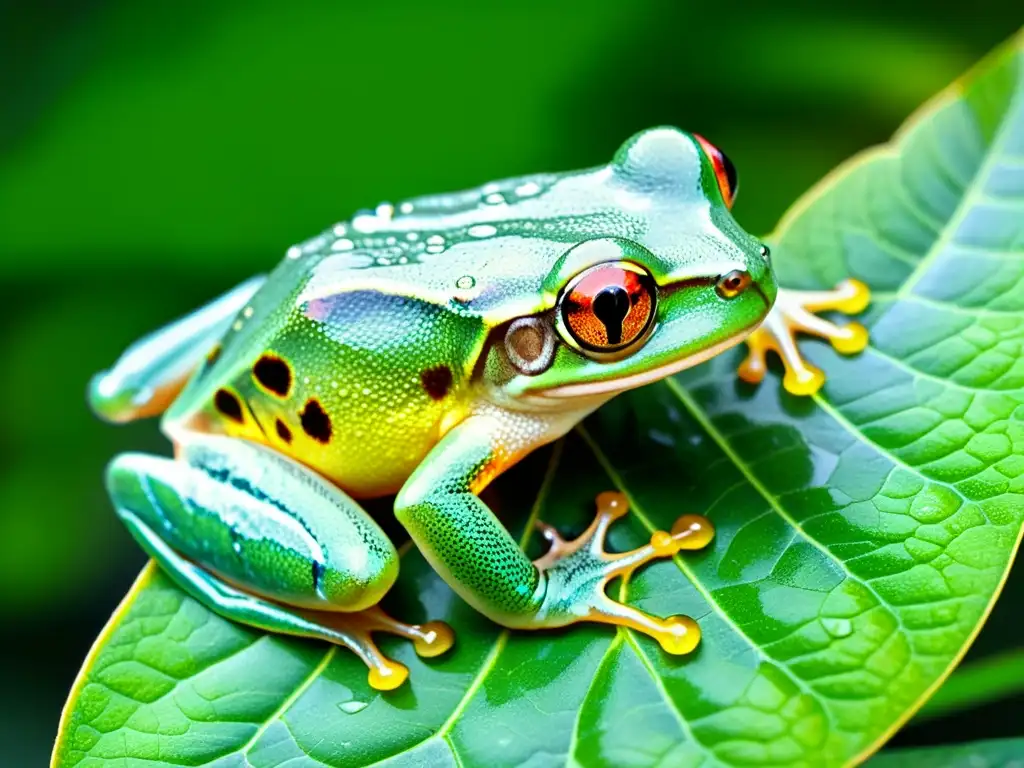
421,351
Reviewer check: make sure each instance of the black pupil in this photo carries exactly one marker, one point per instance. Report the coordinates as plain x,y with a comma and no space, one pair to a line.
730,173
611,305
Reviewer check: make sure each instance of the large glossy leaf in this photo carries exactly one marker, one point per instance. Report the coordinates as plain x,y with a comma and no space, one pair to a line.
863,534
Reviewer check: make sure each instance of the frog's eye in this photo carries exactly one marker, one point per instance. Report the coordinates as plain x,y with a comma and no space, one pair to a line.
608,307
725,171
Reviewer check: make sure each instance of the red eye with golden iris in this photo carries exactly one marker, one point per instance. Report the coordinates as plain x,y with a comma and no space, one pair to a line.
610,306
725,171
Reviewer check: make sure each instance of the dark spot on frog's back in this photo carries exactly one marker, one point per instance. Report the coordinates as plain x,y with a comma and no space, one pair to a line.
315,422
229,405
437,381
282,431
273,374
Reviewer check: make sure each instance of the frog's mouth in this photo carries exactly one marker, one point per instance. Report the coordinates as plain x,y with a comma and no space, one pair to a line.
614,386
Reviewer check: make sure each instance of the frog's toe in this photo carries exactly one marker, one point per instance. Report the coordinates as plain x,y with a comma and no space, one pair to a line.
794,313
356,629
578,573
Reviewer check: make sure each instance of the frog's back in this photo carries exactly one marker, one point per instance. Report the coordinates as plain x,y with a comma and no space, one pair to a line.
360,350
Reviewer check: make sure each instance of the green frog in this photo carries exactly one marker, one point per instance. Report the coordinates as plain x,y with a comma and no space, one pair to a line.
422,350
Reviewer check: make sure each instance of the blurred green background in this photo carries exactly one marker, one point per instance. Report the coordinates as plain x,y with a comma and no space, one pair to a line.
153,154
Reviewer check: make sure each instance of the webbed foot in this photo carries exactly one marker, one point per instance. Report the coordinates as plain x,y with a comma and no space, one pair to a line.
793,312
578,572
354,631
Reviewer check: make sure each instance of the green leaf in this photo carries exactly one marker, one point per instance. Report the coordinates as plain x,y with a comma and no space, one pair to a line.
1000,753
863,534
980,682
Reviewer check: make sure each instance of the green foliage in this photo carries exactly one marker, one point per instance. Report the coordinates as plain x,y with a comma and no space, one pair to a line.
1000,753
863,534
994,678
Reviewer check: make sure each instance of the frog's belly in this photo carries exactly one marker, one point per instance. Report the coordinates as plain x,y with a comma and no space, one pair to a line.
368,460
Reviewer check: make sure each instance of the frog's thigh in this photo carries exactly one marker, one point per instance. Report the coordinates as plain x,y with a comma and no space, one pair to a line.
151,372
262,540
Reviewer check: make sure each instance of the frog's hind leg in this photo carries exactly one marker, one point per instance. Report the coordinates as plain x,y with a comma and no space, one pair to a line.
794,312
153,370
261,540
584,569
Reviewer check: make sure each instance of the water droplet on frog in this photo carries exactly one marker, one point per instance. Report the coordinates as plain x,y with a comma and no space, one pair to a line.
838,627
494,198
352,707
528,189
383,261
435,244
412,237
385,211
482,230
294,252
390,241
237,547
465,282
340,230
405,208
344,244
365,222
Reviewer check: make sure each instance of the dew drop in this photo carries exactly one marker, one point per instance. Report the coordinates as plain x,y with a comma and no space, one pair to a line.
365,222
412,236
465,282
838,627
528,189
435,240
494,198
340,230
482,230
344,244
352,707
405,208
294,252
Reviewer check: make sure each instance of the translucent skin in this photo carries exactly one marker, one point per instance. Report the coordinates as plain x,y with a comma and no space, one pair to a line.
422,351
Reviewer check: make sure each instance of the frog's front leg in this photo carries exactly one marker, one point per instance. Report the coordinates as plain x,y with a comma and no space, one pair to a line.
479,559
153,370
793,312
262,540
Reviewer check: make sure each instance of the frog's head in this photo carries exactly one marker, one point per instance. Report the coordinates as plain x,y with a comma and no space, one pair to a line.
685,283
